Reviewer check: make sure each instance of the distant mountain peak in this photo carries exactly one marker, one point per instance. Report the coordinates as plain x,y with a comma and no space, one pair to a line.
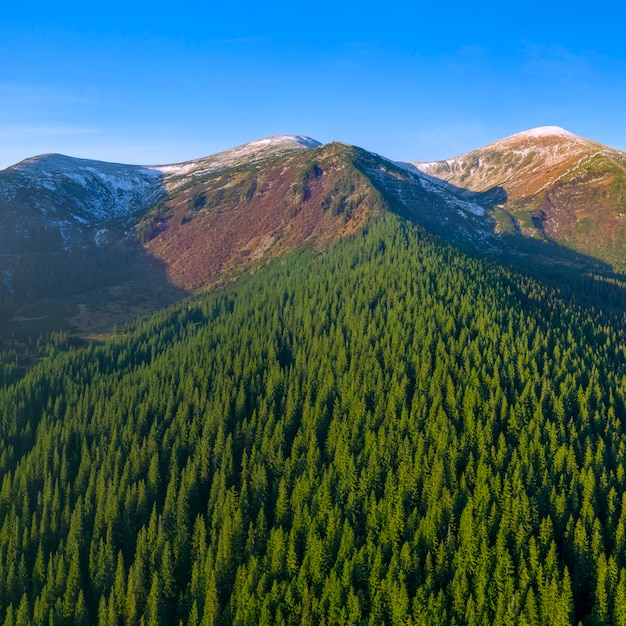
546,131
251,152
512,160
547,183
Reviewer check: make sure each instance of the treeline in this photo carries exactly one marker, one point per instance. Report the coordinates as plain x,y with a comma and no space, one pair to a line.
390,433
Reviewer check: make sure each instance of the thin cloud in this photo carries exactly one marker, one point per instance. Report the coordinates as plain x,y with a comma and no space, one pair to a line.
16,94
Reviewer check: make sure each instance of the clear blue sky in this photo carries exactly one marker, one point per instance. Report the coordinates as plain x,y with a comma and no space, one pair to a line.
148,83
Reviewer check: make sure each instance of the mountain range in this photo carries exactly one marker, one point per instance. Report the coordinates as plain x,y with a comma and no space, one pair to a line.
109,241
368,392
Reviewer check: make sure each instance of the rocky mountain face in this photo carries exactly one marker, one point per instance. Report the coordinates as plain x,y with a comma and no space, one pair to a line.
547,184
71,226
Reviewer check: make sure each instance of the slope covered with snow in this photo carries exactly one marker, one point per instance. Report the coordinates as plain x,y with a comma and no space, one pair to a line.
253,152
88,192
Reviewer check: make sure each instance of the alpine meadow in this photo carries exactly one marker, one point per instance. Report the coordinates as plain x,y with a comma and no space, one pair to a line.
296,383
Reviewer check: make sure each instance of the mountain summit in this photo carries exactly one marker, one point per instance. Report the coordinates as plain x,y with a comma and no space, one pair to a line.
521,164
547,183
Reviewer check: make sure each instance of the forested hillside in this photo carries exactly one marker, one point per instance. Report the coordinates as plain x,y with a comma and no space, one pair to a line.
389,433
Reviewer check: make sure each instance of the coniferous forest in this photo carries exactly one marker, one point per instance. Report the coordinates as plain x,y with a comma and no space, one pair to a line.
391,432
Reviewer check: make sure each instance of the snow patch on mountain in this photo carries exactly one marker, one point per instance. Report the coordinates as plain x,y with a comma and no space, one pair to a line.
442,189
246,154
7,279
546,131
100,236
80,190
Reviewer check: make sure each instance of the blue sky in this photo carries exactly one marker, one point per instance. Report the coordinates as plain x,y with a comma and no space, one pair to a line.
150,83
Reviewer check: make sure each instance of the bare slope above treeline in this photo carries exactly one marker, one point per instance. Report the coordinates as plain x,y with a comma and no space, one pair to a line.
71,226
548,183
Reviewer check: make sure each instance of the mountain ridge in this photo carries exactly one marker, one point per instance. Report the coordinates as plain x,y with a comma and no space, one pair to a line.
71,225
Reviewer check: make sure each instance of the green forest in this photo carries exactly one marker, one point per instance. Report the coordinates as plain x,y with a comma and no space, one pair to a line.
391,432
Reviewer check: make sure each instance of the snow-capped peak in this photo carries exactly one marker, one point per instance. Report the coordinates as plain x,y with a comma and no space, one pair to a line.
521,165
546,131
247,153
286,140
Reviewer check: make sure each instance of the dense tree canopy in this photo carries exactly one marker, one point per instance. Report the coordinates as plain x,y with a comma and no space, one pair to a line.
389,433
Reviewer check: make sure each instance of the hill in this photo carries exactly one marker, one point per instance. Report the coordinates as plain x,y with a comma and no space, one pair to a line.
88,244
390,433
107,242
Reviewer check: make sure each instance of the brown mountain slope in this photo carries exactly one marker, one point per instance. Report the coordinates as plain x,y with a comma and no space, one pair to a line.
214,224
548,183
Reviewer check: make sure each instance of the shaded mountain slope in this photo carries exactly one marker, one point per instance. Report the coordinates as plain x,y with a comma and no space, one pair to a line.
430,203
67,226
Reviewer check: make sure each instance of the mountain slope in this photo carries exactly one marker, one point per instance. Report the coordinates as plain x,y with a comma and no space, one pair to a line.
87,191
429,202
550,184
76,201
390,433
225,213
66,224
222,215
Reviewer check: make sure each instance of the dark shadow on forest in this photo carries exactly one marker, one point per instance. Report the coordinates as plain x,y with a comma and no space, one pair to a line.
583,279
98,283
